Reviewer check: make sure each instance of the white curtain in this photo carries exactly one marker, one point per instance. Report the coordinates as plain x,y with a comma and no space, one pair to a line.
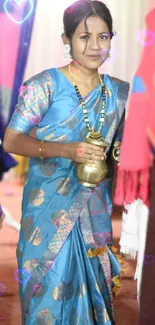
46,49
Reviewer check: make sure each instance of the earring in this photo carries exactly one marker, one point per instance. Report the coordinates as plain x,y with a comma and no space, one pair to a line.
67,51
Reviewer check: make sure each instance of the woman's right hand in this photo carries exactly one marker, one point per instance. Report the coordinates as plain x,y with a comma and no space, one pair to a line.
83,152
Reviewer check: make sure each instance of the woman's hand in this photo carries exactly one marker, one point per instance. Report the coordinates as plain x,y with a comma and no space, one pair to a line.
83,152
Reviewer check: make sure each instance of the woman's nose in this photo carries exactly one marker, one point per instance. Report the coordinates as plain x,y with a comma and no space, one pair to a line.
94,44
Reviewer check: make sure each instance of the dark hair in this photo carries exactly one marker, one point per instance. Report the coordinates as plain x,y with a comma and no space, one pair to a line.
83,9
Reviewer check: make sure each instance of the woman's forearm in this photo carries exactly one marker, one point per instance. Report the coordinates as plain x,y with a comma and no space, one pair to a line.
27,146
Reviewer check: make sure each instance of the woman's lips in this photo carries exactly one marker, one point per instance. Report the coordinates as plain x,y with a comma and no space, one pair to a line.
95,57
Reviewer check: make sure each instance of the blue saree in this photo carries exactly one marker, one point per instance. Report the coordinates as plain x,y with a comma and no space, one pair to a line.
67,270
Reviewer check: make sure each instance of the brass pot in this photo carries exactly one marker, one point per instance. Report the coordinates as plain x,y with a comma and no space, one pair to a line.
92,173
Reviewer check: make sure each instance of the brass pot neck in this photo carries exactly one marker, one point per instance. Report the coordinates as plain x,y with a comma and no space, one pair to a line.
98,141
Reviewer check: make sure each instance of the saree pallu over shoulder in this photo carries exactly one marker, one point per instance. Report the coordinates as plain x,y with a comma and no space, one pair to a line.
116,129
61,219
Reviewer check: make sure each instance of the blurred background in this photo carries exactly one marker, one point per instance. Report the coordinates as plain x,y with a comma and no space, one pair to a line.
30,41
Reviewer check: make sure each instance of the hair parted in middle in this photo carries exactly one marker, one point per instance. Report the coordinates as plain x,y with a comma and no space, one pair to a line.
82,10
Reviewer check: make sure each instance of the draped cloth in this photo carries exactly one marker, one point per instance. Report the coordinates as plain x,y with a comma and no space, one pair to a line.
16,19
139,131
65,241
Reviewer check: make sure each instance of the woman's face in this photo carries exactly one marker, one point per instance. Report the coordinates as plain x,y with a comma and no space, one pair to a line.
91,48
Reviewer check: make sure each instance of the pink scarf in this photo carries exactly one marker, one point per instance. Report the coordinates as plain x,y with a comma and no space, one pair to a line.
139,133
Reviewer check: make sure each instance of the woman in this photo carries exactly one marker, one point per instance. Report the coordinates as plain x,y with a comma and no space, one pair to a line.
66,227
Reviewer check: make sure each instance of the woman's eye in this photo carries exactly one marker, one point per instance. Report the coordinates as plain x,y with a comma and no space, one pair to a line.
85,37
104,37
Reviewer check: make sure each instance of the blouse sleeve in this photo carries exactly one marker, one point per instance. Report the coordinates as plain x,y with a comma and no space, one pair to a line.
33,102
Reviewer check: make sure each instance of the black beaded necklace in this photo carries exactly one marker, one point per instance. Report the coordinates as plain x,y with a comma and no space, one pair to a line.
83,106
